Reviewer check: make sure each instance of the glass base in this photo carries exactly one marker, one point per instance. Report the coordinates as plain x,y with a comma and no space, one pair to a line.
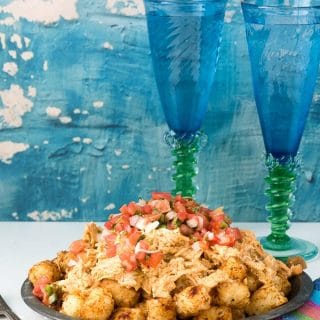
298,247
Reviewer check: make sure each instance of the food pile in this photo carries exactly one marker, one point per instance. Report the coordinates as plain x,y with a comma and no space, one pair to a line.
166,258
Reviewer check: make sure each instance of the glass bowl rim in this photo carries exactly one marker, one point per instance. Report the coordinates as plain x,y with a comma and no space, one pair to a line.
253,4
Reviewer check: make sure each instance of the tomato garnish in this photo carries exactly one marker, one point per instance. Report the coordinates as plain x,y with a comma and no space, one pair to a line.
162,205
153,260
129,261
153,217
161,195
77,246
147,209
134,236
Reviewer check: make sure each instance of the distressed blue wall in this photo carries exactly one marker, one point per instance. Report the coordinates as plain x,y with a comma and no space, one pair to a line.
81,125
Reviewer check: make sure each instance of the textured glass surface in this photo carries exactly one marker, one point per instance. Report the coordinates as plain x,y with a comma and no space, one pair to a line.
284,48
184,39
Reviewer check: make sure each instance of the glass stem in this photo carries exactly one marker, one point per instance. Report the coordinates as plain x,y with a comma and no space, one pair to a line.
185,166
281,182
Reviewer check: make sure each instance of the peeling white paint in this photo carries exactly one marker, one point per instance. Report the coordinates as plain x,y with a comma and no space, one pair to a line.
85,112
98,104
3,40
108,45
87,140
125,166
76,139
8,21
126,7
65,120
32,91
15,105
41,11
8,149
84,199
53,112
109,168
47,215
13,54
15,38
108,191
27,41
110,206
45,65
77,111
11,68
118,152
15,215
45,142
27,55
229,16
150,176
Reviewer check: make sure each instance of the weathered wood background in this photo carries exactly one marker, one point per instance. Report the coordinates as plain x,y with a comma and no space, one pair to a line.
81,127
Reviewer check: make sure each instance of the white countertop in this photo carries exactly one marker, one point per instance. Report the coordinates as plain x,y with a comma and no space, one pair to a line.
25,243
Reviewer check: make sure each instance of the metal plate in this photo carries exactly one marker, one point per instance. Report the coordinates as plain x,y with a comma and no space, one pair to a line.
302,287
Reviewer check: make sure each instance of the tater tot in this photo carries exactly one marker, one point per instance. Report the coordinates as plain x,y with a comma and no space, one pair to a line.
122,296
235,268
94,304
215,313
233,294
128,314
192,300
44,269
253,282
163,309
265,299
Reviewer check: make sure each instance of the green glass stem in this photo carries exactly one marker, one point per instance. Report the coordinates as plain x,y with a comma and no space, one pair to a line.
281,182
185,166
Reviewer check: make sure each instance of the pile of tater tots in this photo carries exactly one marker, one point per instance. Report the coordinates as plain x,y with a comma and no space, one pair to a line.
165,258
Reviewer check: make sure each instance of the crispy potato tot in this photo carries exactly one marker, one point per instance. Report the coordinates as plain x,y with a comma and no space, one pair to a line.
265,299
128,314
44,269
252,282
122,296
235,268
215,313
65,260
94,304
238,314
163,309
233,294
192,300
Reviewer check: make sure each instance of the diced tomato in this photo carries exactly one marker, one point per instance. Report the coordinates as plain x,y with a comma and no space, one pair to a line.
233,233
39,287
134,236
147,209
111,250
161,195
113,219
141,255
228,237
161,206
153,217
131,209
77,246
153,260
180,209
129,261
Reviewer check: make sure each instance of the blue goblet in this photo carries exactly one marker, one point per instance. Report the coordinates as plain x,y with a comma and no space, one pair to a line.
184,38
284,49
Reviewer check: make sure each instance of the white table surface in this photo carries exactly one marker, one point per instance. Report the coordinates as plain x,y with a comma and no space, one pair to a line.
25,243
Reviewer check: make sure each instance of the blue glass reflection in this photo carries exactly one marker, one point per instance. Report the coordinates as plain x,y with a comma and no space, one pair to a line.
284,48
184,38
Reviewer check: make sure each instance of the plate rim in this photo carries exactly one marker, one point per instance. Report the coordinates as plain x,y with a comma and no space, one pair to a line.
296,302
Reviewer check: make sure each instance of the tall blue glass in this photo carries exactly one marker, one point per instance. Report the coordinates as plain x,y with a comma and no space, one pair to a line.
184,38
284,49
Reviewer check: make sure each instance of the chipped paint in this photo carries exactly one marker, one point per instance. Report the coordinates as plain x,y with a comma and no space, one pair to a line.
27,55
98,104
47,215
15,38
45,65
3,40
110,206
87,140
40,11
76,139
11,68
8,149
229,16
108,45
15,105
118,152
32,91
13,54
53,112
126,7
65,120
